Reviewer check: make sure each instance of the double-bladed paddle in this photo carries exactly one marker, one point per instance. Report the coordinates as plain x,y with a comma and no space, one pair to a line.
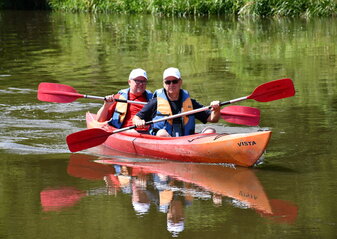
270,91
59,93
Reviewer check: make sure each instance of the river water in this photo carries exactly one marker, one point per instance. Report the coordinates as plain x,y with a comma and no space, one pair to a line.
47,192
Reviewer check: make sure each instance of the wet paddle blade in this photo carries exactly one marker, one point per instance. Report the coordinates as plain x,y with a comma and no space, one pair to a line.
57,93
241,115
273,90
86,139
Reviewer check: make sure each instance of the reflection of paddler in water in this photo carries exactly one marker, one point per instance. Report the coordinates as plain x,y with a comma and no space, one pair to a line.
141,198
171,203
240,185
161,182
120,180
166,187
175,217
175,213
130,180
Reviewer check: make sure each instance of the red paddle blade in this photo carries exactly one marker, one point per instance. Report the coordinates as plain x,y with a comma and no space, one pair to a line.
241,115
58,93
86,139
273,90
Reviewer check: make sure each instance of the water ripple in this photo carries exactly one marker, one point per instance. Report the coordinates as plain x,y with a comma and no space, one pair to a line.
40,128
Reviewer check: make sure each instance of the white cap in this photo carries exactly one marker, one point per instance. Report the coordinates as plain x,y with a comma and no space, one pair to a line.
171,72
137,73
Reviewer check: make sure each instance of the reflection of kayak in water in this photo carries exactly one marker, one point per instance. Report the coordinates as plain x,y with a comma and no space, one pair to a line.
82,166
242,149
239,184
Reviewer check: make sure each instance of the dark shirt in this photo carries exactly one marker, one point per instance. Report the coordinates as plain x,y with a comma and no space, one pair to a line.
150,109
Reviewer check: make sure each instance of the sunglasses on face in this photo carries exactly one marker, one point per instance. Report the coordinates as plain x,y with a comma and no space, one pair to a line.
138,82
169,82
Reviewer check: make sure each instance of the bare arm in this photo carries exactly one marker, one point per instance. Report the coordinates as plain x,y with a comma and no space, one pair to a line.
103,112
215,114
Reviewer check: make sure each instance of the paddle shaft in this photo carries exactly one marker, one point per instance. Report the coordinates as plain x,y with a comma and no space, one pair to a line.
187,113
118,100
173,116
180,115
53,92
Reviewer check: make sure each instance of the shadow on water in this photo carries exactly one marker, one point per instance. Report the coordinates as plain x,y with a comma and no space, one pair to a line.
170,186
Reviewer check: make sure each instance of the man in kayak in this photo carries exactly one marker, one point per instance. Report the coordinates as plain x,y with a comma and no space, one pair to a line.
172,100
120,114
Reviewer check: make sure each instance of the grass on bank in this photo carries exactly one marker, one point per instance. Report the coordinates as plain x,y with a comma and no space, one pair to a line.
262,8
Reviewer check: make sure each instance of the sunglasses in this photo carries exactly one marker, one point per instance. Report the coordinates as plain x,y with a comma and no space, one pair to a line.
138,82
169,82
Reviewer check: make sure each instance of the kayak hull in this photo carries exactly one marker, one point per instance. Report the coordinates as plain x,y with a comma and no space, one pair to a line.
242,149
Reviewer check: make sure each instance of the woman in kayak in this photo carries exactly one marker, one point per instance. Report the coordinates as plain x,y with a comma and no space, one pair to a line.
172,100
120,114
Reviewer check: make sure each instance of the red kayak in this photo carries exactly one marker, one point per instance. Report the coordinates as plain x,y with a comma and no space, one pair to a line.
243,149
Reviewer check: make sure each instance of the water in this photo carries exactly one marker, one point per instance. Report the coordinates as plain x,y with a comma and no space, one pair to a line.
219,59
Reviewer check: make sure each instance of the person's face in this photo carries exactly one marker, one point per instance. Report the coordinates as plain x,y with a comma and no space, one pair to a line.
172,85
138,85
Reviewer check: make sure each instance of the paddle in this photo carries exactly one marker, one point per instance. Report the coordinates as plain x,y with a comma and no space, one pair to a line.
269,91
241,115
59,93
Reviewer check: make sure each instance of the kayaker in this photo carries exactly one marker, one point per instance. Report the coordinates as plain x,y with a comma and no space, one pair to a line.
172,100
120,114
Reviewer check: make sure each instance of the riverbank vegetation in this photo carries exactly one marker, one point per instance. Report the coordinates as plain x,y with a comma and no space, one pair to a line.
204,7
262,8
